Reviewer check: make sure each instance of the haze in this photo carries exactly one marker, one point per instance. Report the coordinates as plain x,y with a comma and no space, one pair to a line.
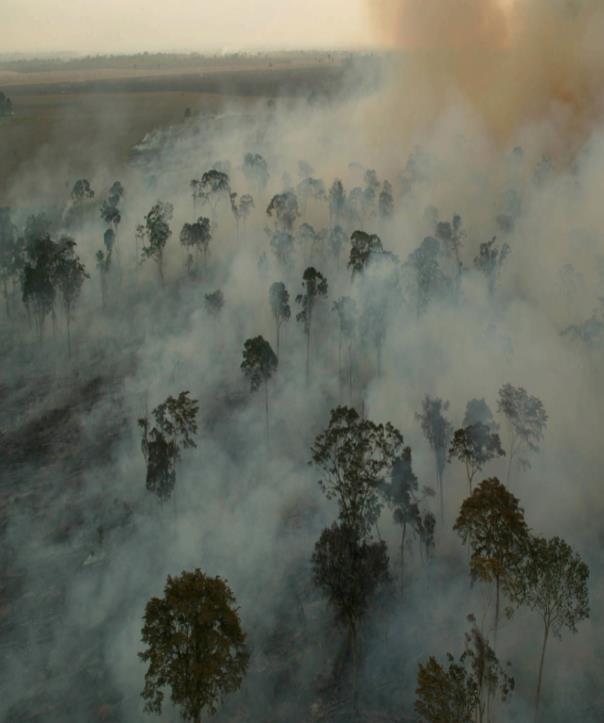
196,25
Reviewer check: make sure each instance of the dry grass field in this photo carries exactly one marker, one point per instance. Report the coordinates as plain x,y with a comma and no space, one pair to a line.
62,116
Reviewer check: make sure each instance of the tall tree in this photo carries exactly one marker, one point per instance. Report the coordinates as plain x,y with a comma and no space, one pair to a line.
196,237
259,364
38,279
195,646
430,281
364,247
349,570
356,456
492,522
315,287
337,203
402,495
527,421
284,209
175,425
386,201
346,309
475,446
81,191
278,298
490,261
437,430
241,206
156,232
69,274
12,250
553,583
255,169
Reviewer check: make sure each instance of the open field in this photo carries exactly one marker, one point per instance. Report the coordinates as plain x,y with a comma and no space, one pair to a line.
62,116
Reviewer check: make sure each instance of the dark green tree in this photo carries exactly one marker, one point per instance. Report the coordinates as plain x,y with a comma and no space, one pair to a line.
349,570
195,646
155,233
337,203
490,261
69,275
278,298
315,287
196,237
259,364
475,446
12,251
81,191
284,209
174,428
364,247
386,202
356,457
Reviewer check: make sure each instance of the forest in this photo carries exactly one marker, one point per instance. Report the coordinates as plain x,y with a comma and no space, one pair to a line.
300,419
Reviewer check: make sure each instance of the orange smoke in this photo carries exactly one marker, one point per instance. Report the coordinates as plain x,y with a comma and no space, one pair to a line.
515,62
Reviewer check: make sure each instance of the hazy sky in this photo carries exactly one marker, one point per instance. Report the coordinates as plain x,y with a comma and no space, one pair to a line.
130,25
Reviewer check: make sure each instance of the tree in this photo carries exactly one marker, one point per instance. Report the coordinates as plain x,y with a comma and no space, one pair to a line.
437,430
195,645
430,281
337,203
386,201
255,169
38,279
311,188
527,420
156,232
6,106
346,309
401,493
103,262
349,570
490,260
214,302
460,691
336,239
259,364
197,236
474,446
553,583
12,250
363,248
278,297
315,287
215,185
175,425
450,234
70,274
492,522
81,191
241,206
284,208
356,456
282,244
477,410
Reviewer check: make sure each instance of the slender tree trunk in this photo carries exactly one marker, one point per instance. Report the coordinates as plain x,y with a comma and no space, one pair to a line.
403,536
442,494
68,336
497,599
540,677
355,671
278,335
308,355
266,410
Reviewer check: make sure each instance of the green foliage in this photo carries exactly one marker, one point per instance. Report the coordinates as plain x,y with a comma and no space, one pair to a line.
156,232
175,426
315,286
458,691
356,456
437,430
474,446
284,208
492,522
255,169
554,584
490,260
214,302
364,247
195,646
259,361
81,191
349,571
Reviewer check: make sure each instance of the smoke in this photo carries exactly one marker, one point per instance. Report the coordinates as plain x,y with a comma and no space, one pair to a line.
517,64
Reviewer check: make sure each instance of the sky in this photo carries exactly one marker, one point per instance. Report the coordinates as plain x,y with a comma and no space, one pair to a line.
191,25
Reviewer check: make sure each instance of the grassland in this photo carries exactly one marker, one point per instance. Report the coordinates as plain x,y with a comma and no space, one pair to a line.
64,113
